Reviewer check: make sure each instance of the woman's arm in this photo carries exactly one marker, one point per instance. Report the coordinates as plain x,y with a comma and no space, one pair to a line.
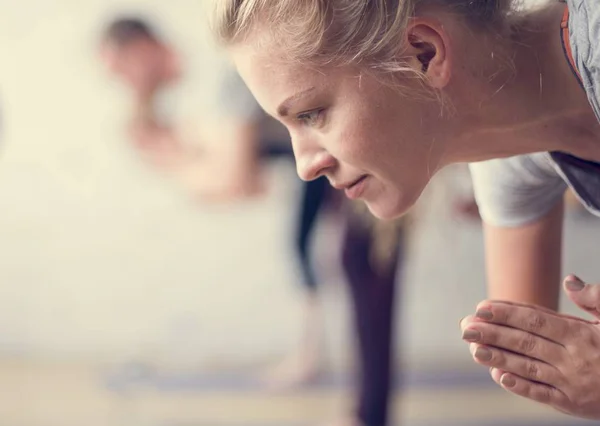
524,263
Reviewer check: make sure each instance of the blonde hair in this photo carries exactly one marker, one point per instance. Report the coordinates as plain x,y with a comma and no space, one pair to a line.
341,32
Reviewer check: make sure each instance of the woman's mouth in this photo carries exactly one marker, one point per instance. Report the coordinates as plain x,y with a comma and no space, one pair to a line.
357,188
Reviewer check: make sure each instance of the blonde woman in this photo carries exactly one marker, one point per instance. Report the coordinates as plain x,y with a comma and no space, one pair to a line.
379,95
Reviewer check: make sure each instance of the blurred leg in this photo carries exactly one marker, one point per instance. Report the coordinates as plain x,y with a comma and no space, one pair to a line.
372,290
304,364
313,200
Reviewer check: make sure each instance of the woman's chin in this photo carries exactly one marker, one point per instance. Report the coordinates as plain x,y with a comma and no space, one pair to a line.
385,211
392,205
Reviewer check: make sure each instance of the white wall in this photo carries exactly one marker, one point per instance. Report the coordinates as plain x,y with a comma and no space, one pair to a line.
98,256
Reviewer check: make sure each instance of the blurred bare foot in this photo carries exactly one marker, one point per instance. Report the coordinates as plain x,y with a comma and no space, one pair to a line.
305,365
296,371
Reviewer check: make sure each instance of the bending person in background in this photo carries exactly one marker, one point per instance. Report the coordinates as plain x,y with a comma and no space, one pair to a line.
133,52
371,250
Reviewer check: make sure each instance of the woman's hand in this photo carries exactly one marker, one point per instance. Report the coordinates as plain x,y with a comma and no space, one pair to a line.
540,354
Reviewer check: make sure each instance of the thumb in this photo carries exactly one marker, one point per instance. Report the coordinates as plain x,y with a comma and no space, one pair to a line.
586,296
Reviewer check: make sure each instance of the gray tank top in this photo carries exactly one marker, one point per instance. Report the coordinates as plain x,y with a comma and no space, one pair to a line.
522,189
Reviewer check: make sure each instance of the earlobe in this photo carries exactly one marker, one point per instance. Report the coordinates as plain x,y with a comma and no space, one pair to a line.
428,46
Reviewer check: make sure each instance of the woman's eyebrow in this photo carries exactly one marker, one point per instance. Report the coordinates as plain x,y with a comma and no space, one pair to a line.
284,107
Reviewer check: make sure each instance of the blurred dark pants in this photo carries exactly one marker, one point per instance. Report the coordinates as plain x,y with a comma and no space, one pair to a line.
372,293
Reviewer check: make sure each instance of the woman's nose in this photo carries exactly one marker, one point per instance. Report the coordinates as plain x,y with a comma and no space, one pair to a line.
312,161
311,166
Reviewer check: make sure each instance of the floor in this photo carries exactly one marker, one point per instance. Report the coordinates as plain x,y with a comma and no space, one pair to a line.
37,394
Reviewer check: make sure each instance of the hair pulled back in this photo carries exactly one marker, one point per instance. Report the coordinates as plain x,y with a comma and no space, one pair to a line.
340,31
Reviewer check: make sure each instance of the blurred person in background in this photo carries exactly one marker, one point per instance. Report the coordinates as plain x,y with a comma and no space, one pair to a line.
148,66
233,151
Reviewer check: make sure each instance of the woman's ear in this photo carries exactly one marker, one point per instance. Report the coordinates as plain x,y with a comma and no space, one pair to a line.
428,52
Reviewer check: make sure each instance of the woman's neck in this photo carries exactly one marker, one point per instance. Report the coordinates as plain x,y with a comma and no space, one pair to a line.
528,99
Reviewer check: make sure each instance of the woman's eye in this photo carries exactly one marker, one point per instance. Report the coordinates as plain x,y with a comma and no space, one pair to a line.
311,118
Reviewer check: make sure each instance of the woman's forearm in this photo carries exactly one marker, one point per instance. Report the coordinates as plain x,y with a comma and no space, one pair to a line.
524,263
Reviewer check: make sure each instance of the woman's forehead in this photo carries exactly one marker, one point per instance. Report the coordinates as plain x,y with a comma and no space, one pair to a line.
269,74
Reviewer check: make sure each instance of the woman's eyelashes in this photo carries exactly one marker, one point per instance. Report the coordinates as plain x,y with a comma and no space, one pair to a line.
312,118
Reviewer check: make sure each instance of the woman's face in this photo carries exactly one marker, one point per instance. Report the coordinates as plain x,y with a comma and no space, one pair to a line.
368,139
